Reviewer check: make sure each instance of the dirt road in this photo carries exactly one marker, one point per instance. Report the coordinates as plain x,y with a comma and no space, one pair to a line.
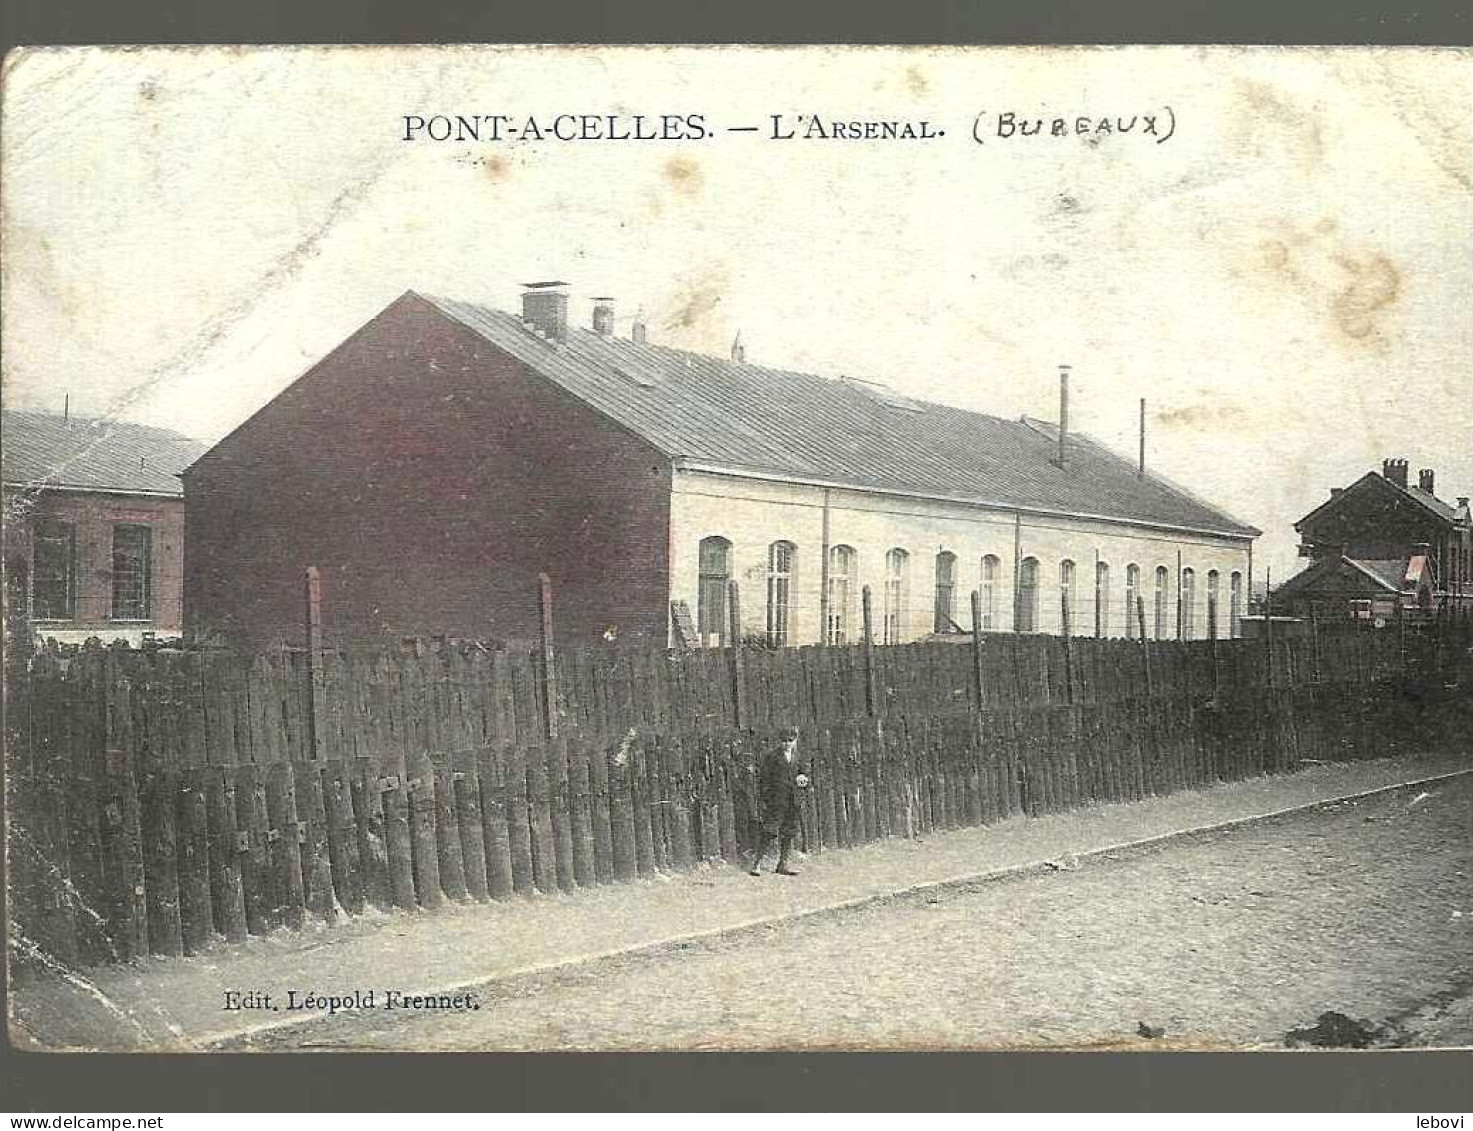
1225,940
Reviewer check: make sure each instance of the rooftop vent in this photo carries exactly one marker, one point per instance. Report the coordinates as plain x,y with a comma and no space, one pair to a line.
603,315
885,395
545,309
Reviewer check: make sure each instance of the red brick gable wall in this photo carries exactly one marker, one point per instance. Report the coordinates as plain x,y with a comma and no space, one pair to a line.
430,477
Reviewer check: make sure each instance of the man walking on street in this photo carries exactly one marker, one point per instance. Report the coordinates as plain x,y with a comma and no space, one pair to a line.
779,778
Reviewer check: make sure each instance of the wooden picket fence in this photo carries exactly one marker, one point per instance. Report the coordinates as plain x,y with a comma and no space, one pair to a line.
161,801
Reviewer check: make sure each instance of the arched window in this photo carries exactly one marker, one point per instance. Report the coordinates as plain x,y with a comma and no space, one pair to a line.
780,560
841,594
945,620
1188,604
1066,598
991,569
1162,576
897,562
1235,604
715,574
1212,587
1132,591
1026,617
1102,599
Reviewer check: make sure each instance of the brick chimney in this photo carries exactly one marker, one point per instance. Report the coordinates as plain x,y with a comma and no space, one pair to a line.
603,316
1425,479
545,307
1395,470
637,332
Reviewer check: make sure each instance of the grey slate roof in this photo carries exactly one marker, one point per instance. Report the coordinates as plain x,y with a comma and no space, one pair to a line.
1373,480
1389,574
799,425
1445,511
1390,571
41,450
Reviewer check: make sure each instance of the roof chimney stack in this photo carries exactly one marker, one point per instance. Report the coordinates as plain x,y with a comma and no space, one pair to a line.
637,331
1395,470
1425,479
1063,460
545,307
738,351
603,316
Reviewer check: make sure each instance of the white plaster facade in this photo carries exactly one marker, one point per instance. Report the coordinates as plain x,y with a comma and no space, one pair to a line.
753,512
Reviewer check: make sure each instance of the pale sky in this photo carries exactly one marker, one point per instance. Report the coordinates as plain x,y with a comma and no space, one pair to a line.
1288,279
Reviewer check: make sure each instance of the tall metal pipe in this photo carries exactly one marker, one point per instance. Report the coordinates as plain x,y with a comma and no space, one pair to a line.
1063,460
1141,470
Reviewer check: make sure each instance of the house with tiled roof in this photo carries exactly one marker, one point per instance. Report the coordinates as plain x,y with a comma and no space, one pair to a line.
447,453
94,525
1383,546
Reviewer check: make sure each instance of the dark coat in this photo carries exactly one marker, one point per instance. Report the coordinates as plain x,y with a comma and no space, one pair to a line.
777,793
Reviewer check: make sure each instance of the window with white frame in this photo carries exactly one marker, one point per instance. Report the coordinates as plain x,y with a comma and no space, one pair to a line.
840,595
715,576
1102,599
945,619
780,559
1066,598
897,566
1163,582
1189,604
1132,591
1026,617
1212,591
991,572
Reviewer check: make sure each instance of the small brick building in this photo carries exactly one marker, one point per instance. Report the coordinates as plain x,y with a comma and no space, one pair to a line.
445,454
94,526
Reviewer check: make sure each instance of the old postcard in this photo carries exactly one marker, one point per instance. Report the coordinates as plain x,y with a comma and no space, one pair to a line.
738,548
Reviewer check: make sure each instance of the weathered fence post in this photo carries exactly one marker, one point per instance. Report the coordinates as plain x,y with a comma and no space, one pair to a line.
1268,623
1401,636
20,637
1140,612
867,645
316,677
1216,671
1314,645
1068,646
977,647
549,664
738,664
